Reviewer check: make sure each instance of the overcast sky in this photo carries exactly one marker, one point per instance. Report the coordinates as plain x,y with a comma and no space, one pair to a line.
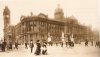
86,11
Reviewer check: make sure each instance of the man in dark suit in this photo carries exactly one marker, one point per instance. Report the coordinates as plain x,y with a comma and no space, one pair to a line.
4,44
31,45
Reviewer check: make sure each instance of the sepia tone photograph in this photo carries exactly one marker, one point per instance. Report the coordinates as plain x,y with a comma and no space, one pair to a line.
49,28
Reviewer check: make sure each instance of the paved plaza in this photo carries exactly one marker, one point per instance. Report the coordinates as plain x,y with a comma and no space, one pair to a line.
55,51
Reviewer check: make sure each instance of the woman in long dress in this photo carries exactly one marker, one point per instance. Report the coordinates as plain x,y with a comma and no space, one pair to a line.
38,48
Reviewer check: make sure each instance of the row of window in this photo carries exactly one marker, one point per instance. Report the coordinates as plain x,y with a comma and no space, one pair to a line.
41,26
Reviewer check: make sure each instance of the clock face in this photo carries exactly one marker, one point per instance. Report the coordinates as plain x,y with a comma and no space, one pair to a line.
7,16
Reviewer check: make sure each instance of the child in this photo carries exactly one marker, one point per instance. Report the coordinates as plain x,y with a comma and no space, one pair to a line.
44,49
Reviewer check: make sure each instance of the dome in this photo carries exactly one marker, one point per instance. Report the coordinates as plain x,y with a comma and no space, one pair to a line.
58,9
59,13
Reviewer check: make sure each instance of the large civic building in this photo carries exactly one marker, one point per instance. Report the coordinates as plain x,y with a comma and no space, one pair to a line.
40,27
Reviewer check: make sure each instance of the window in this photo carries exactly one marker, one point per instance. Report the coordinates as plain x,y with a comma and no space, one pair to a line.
31,23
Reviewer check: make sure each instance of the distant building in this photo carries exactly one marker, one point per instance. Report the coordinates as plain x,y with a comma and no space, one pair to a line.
37,28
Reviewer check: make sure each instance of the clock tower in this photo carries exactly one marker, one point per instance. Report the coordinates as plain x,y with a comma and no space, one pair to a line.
6,15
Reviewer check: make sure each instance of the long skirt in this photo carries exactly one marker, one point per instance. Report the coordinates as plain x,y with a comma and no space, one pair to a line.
38,51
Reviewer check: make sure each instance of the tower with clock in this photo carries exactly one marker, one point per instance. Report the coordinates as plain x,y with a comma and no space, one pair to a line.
6,15
6,18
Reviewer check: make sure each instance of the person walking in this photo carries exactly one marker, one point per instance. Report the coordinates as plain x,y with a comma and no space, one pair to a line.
4,45
0,44
86,43
97,44
10,45
38,48
26,47
66,43
16,45
61,44
91,43
31,45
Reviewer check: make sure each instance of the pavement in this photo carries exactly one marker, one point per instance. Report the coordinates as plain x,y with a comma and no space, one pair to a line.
55,51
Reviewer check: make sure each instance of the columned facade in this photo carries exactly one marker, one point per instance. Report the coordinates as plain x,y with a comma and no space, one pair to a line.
37,28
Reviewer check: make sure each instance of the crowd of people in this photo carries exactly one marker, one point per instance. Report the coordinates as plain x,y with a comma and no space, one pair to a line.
96,43
41,47
4,46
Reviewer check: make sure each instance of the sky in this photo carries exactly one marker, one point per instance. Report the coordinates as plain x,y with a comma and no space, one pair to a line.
86,11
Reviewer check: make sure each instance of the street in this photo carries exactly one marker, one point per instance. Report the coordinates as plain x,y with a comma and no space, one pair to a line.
55,51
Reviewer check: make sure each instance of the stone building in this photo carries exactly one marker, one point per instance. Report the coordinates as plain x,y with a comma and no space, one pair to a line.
37,27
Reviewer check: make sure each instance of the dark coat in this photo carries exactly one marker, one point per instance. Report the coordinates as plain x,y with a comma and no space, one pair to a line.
38,49
31,45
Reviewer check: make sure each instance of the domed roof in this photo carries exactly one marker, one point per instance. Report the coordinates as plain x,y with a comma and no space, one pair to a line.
58,9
